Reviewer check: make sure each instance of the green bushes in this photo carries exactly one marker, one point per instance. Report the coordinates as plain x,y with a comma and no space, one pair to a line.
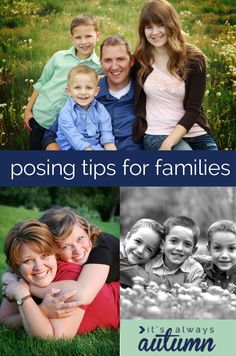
94,203
17,13
49,7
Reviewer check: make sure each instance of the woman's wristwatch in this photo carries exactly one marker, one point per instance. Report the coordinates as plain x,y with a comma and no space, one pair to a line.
20,301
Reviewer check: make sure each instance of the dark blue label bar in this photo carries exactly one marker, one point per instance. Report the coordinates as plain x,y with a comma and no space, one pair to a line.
79,168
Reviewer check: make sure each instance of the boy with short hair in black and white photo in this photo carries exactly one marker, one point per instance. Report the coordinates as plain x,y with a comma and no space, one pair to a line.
175,263
221,270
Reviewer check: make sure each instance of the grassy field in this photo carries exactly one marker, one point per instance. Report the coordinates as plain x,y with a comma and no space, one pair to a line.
98,343
31,31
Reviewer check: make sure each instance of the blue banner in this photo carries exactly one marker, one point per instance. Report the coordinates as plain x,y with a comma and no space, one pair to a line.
130,168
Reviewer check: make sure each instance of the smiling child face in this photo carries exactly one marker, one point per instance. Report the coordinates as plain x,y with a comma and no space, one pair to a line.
84,39
178,246
83,88
156,35
223,249
142,245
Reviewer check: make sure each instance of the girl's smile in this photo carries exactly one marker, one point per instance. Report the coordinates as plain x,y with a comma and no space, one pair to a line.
156,35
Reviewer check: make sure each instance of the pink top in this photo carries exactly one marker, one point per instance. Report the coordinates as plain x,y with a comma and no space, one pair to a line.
164,105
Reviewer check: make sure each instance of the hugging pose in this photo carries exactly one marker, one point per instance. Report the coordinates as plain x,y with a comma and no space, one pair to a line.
60,258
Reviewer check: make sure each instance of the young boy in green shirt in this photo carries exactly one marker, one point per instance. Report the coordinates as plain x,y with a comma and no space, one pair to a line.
49,93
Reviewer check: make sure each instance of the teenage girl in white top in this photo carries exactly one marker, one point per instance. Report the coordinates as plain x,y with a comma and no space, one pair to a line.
171,76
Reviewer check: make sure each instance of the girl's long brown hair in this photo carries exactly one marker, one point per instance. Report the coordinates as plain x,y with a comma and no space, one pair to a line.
180,52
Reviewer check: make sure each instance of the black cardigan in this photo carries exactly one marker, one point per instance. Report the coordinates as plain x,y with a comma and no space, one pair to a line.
195,85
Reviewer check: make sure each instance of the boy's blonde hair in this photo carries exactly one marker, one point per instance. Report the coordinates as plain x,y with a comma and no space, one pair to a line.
82,69
221,225
32,233
185,222
83,20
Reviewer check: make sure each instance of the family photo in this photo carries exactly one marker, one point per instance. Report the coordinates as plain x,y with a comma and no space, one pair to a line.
60,271
154,75
178,253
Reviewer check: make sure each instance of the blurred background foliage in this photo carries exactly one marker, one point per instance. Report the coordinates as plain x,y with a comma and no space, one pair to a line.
204,205
102,203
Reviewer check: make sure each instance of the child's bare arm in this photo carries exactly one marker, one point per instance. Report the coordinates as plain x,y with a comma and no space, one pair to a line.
28,114
174,137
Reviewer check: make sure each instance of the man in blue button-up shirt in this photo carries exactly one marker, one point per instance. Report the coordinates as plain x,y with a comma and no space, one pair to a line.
116,93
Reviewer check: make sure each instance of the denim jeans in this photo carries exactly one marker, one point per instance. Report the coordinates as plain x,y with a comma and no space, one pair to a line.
199,143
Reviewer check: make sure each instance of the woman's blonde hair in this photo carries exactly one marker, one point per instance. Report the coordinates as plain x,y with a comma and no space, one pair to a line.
61,221
32,233
180,52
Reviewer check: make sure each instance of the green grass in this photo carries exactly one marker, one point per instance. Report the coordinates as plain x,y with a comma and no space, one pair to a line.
111,227
98,343
37,29
10,215
16,342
